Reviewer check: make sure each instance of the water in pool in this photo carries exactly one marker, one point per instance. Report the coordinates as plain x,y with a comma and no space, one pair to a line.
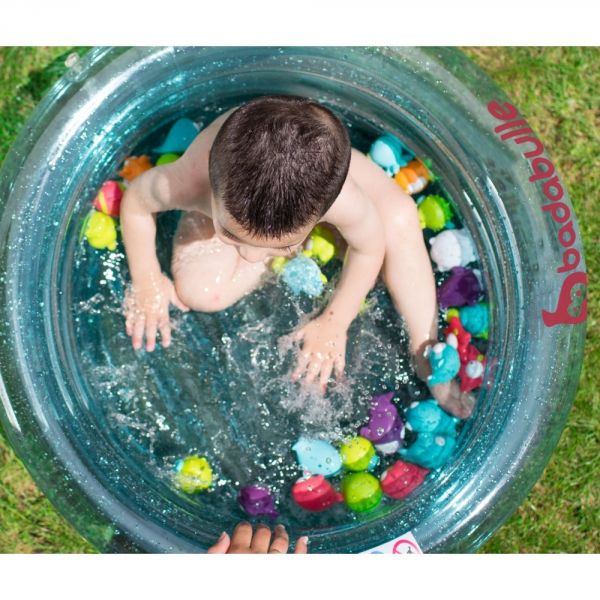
223,390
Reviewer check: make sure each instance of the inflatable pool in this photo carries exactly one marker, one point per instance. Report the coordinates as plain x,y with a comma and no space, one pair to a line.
97,426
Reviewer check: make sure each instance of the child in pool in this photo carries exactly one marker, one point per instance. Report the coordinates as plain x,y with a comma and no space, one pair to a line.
254,184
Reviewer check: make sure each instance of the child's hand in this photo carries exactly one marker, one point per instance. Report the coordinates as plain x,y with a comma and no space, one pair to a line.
243,542
323,349
147,311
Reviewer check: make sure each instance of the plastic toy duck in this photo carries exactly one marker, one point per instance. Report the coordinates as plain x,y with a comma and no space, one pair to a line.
358,454
452,248
434,212
413,178
193,474
108,199
302,275
428,417
257,501
430,450
475,319
444,361
100,231
315,494
180,136
134,166
317,457
362,491
390,153
385,429
401,479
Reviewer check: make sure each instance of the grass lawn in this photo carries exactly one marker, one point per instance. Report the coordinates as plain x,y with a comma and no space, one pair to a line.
558,91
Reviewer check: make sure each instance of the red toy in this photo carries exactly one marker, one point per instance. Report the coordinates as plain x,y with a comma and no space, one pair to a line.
402,478
108,199
471,371
315,494
462,335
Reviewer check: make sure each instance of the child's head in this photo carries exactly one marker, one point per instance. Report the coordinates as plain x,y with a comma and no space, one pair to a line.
276,166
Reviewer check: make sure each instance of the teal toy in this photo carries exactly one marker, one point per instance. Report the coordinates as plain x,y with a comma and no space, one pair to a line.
362,491
317,457
444,361
475,319
358,454
302,275
428,417
390,153
180,136
430,450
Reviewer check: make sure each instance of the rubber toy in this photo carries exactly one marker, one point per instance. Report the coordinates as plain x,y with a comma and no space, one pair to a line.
413,178
385,429
108,199
134,166
302,275
100,230
444,361
463,337
362,491
390,153
358,454
317,457
399,480
452,248
471,370
165,159
461,288
430,450
315,494
428,417
320,245
475,319
180,136
257,501
434,212
193,474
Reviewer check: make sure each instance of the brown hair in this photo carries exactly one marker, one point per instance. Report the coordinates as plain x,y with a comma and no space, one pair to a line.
278,163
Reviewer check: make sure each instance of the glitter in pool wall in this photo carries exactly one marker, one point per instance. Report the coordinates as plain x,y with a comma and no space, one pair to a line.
222,389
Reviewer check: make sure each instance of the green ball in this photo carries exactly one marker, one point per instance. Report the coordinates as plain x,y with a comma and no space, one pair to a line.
165,159
362,491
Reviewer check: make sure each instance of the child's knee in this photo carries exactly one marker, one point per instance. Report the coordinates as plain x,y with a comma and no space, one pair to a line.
198,297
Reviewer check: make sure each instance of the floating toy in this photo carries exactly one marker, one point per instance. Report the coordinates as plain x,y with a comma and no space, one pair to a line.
100,230
475,319
444,361
452,248
315,494
358,454
317,457
402,478
108,199
302,275
165,159
434,212
413,178
257,501
462,336
320,245
471,370
134,166
180,136
390,153
385,429
430,450
428,417
193,474
362,491
462,287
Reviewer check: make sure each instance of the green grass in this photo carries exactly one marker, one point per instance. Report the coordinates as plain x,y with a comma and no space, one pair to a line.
558,91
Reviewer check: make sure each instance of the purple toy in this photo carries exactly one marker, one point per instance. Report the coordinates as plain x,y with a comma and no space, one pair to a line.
257,501
461,288
385,429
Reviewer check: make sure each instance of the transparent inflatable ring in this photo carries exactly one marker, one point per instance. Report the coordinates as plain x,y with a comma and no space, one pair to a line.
491,164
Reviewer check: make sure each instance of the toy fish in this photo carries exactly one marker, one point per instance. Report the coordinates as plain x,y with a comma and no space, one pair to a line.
402,478
462,287
444,361
358,454
315,494
317,457
475,319
134,166
193,474
180,136
413,178
302,275
390,153
430,450
362,491
100,231
428,417
385,429
257,501
434,212
452,248
109,197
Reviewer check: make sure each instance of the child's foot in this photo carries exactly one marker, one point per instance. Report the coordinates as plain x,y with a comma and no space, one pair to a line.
452,400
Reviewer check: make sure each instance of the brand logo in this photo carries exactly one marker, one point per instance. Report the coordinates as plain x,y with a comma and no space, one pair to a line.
571,307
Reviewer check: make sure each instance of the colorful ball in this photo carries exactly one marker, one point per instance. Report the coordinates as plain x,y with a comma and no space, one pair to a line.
362,491
358,454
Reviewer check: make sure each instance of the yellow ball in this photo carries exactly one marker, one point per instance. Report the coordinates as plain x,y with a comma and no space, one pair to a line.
101,231
357,453
193,474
